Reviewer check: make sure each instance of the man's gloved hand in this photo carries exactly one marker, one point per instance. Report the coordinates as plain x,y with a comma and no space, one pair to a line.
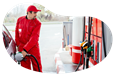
24,53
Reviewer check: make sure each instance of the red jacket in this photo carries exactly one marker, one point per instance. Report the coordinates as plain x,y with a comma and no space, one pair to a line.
27,33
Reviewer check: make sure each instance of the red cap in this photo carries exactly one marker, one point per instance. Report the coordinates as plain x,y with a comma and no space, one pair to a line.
32,8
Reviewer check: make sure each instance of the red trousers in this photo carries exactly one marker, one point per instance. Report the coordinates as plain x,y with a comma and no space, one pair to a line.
28,60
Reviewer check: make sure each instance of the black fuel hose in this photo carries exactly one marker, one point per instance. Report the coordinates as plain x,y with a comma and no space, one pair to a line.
84,52
89,33
87,59
35,60
87,62
79,62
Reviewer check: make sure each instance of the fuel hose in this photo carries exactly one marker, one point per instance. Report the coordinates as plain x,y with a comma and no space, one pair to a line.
79,63
35,60
84,52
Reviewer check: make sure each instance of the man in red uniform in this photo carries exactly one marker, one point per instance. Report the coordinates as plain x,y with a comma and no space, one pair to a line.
27,34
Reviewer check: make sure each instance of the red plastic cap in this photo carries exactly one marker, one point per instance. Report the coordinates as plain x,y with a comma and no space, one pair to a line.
32,8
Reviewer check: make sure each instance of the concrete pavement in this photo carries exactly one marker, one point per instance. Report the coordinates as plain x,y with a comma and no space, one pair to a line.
63,61
64,64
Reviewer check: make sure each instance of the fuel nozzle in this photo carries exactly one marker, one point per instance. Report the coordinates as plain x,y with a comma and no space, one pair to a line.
90,48
19,57
83,45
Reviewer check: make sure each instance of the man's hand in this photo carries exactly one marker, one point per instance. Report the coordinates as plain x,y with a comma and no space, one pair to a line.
24,53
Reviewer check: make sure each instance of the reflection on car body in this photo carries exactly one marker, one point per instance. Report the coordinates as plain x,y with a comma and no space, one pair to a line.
8,51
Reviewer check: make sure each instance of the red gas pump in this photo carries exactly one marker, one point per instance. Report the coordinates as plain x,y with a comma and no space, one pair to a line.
96,38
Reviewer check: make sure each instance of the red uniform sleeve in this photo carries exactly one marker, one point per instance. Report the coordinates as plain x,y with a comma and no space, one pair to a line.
34,38
17,34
